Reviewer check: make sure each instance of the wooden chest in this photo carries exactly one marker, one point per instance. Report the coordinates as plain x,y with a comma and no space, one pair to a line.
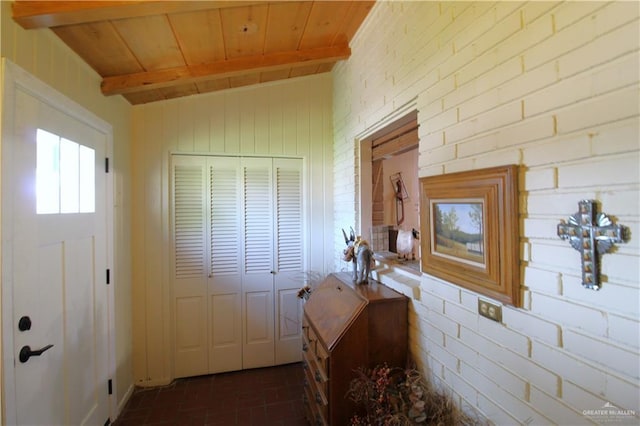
346,327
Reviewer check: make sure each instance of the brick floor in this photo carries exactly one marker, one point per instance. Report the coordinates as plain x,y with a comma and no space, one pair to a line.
264,396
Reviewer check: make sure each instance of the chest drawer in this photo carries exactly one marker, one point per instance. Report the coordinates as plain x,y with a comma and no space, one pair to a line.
316,377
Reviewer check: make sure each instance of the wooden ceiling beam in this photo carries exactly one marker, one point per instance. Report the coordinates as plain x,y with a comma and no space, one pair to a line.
46,14
136,82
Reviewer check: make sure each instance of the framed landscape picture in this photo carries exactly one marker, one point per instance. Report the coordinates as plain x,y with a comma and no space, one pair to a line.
458,230
470,231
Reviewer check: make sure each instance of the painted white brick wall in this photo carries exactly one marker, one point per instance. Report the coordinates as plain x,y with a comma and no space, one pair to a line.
554,88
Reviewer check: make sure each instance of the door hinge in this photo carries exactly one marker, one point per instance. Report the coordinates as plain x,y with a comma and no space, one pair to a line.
108,276
106,165
108,422
110,385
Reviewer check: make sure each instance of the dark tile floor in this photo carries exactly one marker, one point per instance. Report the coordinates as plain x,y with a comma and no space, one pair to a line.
264,396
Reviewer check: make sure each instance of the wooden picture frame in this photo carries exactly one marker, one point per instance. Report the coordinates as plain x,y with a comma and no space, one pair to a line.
470,231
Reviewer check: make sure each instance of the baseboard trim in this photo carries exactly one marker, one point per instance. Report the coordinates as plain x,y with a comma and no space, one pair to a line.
123,402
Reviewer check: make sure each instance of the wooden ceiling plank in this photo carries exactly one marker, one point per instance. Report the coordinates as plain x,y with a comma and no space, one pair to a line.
324,23
45,14
199,35
144,97
285,25
326,67
213,85
101,47
274,75
305,70
244,30
356,15
229,68
152,41
244,80
178,91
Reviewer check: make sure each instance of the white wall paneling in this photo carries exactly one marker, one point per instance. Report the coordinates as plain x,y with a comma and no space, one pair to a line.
292,119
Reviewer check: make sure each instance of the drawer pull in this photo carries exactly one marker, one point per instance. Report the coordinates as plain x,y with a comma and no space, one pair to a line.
305,365
305,347
318,398
317,376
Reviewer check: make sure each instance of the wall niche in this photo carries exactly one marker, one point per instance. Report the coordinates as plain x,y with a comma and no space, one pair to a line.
395,196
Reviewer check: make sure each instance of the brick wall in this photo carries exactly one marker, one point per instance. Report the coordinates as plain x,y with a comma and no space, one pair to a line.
553,87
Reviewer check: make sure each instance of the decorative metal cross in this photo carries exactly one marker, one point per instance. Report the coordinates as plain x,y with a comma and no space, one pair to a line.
592,235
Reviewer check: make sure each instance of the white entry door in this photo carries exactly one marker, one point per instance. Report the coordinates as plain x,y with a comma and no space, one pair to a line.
55,261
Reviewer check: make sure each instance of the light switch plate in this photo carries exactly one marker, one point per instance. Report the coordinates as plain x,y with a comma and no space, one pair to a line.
490,310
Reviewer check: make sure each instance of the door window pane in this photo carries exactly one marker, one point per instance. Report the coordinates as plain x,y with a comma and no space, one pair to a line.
69,177
65,175
47,173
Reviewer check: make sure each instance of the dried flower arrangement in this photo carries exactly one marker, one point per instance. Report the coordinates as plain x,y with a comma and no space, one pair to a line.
399,397
304,292
311,279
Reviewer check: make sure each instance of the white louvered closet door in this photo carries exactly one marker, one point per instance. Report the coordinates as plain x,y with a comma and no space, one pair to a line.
190,266
225,269
238,263
288,227
258,268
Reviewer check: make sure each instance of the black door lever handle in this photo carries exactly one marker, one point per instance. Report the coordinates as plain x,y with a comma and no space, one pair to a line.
26,352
